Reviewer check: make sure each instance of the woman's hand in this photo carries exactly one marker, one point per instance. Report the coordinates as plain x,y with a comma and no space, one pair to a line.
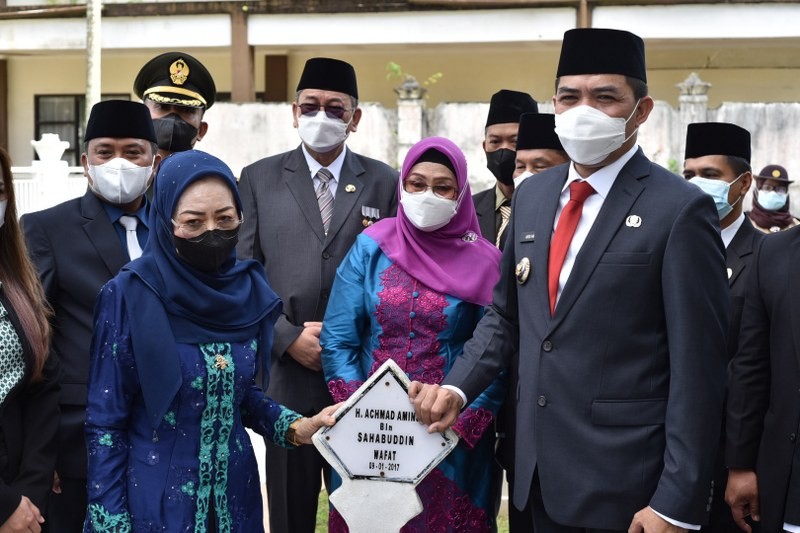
26,519
308,426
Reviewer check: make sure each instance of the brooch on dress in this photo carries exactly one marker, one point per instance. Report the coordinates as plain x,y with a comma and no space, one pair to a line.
220,362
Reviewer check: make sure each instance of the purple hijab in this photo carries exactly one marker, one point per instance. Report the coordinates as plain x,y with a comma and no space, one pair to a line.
454,259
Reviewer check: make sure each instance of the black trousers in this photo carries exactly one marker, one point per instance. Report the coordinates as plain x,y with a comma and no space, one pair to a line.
66,512
294,480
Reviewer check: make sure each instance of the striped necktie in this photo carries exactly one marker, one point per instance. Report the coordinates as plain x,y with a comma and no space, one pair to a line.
325,198
505,215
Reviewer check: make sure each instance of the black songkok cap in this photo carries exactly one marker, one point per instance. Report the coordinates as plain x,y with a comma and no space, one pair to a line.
602,51
432,155
717,138
120,119
538,131
506,106
176,78
328,74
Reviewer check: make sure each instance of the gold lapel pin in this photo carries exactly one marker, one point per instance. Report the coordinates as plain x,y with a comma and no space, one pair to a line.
730,273
350,188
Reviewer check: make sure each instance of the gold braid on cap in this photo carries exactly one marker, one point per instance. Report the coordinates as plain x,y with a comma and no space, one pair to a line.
198,99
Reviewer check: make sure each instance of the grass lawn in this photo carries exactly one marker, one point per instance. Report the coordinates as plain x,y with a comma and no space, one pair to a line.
322,516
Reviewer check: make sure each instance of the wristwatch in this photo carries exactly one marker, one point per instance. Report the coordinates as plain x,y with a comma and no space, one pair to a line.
291,433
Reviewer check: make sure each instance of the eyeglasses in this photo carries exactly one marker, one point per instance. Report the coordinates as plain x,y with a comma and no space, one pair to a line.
333,111
196,228
448,192
783,189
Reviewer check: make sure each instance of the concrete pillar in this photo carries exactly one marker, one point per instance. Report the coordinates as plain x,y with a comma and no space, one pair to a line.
243,79
411,125
94,38
692,107
693,99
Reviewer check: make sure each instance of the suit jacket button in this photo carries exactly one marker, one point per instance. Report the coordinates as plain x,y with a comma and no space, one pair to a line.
326,255
547,346
792,437
542,401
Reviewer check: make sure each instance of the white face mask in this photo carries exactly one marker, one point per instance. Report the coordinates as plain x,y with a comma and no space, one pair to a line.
772,200
119,181
522,177
589,135
3,206
320,132
426,211
718,190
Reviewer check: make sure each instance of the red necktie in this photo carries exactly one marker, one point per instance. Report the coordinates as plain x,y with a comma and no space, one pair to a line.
579,191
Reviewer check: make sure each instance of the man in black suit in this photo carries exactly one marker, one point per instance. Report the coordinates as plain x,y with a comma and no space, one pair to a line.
613,291
177,89
717,159
763,411
493,206
77,246
302,211
538,147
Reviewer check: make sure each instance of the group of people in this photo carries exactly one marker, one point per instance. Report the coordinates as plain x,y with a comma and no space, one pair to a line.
576,324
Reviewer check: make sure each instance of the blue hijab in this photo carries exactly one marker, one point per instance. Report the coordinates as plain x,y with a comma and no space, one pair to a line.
168,301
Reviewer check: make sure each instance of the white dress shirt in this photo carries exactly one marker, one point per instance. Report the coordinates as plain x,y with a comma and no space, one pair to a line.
335,168
730,232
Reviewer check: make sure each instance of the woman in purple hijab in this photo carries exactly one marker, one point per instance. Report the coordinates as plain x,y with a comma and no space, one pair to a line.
412,288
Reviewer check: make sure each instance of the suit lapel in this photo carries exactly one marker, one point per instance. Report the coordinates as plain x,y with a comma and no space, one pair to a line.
486,215
349,180
543,228
297,177
624,192
101,233
740,247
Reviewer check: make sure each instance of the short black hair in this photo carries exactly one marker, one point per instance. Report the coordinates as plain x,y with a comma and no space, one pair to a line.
739,165
639,87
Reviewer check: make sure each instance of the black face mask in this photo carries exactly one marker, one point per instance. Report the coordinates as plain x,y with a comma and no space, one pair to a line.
502,163
174,134
208,251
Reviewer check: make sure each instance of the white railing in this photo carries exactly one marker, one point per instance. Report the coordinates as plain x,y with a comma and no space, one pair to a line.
42,186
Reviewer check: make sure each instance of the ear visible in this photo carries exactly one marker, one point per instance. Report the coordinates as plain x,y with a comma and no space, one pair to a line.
156,162
85,164
295,107
747,180
201,131
356,119
646,105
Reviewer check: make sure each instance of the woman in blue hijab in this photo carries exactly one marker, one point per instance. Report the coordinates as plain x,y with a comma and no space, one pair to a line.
179,336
